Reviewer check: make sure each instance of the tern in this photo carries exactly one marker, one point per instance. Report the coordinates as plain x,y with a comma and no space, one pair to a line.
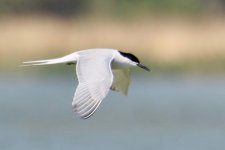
98,70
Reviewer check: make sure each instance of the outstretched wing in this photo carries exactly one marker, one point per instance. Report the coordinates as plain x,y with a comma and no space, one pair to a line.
95,78
121,80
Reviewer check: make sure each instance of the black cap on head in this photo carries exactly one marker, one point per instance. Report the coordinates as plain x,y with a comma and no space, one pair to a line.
134,59
130,56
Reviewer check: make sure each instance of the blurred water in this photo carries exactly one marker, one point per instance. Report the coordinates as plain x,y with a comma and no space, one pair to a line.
160,112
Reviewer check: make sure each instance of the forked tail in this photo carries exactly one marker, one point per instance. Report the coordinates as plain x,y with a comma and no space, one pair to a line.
68,59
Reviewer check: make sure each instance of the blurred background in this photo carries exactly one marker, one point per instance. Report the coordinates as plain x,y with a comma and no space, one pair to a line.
178,105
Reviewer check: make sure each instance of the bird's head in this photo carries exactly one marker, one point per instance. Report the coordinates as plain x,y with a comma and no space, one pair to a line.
133,60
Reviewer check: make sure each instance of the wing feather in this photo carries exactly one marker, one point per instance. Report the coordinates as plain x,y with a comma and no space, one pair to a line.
121,80
95,79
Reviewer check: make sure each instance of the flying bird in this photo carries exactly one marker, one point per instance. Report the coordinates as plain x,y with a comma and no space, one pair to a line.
98,70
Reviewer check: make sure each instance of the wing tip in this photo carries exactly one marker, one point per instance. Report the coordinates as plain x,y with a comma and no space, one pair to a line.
87,113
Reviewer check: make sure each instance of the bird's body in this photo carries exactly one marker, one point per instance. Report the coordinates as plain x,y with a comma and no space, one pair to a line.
98,71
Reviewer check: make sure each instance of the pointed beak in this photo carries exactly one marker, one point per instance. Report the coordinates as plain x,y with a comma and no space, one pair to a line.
143,67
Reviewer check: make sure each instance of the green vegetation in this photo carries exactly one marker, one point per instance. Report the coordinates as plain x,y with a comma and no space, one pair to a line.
109,7
213,65
162,6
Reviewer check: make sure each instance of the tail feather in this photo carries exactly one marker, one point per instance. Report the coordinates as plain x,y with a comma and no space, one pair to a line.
43,62
36,61
72,58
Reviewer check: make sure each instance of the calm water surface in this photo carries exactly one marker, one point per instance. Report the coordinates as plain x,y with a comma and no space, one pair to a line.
160,113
